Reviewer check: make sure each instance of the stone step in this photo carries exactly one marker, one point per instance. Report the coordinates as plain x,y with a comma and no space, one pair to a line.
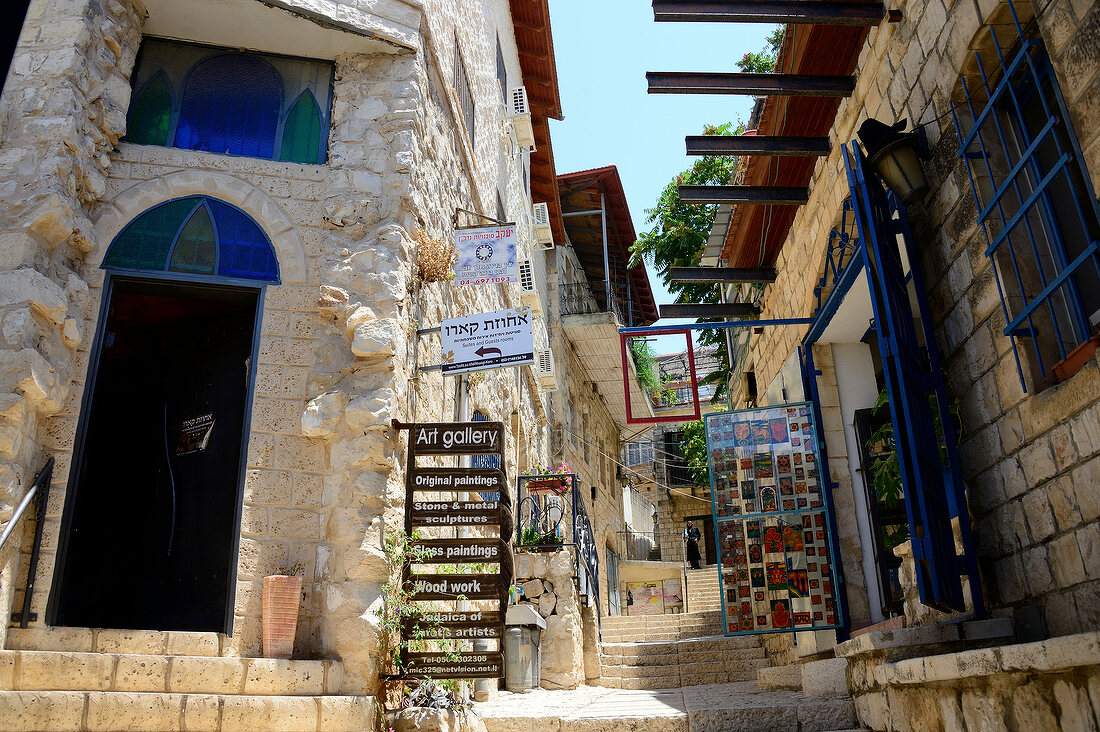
705,643
770,710
69,671
677,680
47,711
95,640
665,659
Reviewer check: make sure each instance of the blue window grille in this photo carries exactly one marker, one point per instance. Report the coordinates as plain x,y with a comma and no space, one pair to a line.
1035,202
932,483
229,102
195,235
485,461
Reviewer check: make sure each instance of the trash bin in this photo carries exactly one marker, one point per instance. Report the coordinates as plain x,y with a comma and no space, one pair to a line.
522,635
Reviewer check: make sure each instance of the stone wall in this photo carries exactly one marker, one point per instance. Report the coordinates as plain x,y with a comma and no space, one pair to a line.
1050,684
591,446
1030,458
62,111
338,349
547,583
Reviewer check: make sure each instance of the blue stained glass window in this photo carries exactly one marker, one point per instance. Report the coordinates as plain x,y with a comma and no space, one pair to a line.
231,105
196,235
231,102
243,248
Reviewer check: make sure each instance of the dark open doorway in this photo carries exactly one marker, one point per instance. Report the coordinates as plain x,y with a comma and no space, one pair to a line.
150,529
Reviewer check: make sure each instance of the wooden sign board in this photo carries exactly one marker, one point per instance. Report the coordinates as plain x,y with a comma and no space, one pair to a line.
450,586
457,551
473,480
460,513
456,438
476,665
455,631
460,617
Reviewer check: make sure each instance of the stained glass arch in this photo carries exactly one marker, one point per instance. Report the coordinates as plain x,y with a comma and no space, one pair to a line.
195,235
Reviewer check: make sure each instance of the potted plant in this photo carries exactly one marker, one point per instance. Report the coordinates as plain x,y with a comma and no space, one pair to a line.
282,596
539,479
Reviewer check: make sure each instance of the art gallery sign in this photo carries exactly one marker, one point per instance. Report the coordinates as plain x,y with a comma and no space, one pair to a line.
444,499
487,341
486,255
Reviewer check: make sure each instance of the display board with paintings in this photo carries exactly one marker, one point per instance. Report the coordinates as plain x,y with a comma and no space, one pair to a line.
771,520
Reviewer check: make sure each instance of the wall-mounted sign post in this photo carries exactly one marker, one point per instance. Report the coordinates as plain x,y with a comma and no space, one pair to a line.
487,341
450,504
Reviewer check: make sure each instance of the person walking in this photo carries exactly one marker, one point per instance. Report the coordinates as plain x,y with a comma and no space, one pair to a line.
691,544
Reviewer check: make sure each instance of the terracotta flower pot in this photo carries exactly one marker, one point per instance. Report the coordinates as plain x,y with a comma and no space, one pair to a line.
282,596
546,485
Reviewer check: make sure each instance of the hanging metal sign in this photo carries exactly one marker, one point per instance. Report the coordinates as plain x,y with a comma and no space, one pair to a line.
487,341
486,255
774,538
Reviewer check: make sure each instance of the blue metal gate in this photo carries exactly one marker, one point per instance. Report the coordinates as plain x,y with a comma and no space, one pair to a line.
933,487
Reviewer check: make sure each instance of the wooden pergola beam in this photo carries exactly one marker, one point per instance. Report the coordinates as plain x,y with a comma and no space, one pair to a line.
721,274
820,12
784,85
756,145
775,195
709,310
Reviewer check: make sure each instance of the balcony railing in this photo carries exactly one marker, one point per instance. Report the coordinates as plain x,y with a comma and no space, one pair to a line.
584,299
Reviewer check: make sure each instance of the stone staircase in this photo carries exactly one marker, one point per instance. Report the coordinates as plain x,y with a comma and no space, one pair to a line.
703,591
83,679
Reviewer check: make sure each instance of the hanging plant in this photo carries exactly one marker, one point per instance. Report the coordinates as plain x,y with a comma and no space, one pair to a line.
435,258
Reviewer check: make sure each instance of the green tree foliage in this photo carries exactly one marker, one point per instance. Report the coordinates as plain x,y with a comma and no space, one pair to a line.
679,234
695,452
763,62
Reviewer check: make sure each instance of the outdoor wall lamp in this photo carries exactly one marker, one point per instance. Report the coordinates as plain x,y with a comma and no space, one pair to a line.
896,156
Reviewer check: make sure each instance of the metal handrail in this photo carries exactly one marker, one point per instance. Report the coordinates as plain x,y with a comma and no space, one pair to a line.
46,473
41,481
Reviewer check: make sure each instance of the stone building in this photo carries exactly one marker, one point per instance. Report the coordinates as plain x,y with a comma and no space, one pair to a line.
973,296
596,295
214,264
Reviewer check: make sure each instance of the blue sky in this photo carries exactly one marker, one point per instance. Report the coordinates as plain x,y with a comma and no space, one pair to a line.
603,50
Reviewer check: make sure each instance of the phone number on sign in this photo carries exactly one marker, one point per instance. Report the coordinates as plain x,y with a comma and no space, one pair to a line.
484,280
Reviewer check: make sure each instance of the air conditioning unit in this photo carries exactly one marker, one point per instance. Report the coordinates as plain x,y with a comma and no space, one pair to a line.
544,369
528,294
544,235
519,112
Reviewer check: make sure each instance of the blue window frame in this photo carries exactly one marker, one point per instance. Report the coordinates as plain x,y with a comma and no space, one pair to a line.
231,102
195,235
485,461
1035,203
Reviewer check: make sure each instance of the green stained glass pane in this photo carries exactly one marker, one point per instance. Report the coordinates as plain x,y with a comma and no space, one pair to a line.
145,243
195,249
151,113
302,131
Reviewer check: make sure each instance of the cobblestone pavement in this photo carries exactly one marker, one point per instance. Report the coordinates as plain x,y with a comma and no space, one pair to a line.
740,706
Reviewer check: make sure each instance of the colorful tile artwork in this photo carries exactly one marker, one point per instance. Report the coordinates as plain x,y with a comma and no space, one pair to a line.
772,527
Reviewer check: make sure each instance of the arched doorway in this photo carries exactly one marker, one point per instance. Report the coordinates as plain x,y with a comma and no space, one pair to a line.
150,528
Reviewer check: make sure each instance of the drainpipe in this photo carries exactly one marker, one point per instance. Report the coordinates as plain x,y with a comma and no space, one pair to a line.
606,264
